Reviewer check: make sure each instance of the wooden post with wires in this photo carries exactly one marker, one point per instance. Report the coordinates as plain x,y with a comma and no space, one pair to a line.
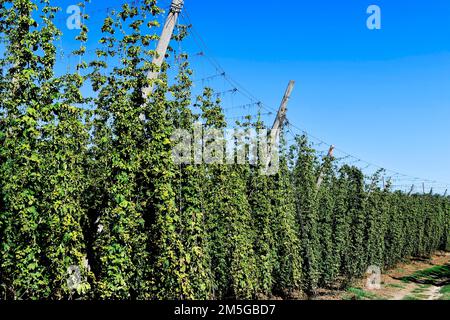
411,190
163,44
330,155
281,115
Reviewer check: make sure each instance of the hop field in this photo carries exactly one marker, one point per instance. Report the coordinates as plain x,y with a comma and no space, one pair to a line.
92,205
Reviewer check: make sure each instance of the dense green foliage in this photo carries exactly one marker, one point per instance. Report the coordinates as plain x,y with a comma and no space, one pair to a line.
89,185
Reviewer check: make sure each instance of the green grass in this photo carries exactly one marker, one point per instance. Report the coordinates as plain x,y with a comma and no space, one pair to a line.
396,286
422,288
445,291
416,296
418,291
438,275
410,298
360,294
405,281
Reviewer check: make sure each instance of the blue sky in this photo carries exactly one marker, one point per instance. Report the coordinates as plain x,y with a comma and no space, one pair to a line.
382,95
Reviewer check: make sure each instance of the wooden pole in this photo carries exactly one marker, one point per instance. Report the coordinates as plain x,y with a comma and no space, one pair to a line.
163,44
281,115
445,193
330,155
411,190
423,187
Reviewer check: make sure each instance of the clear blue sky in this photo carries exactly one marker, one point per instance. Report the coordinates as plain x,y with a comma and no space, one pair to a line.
382,95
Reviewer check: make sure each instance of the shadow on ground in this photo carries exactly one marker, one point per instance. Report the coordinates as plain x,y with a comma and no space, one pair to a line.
437,276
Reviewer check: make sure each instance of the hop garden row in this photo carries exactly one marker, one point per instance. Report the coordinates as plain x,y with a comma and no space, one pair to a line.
86,185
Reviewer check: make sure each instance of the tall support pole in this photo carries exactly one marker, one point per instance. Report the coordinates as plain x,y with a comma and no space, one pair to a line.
411,190
163,44
445,194
321,176
281,115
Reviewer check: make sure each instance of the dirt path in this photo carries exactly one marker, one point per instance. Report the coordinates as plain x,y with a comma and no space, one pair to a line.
395,287
403,292
413,291
435,293
399,283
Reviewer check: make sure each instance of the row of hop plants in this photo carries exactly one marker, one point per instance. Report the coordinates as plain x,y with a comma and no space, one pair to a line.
89,183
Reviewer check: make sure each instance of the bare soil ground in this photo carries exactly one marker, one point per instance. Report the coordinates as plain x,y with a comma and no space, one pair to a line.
415,280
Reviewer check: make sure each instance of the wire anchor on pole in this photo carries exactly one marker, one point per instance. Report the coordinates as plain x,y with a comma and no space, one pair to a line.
281,116
177,6
163,43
